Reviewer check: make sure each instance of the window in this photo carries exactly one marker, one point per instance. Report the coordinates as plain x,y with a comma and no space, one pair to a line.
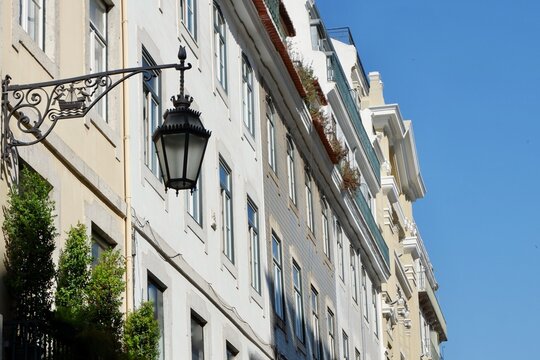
99,246
197,337
271,134
155,295
309,202
345,346
151,113
331,334
98,47
32,20
357,355
364,189
226,210
194,198
341,259
316,340
253,232
188,15
220,47
230,351
354,276
279,296
375,315
248,106
325,229
364,292
290,170
298,303
329,68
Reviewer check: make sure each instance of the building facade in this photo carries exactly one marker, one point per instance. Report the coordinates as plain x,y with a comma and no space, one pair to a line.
299,240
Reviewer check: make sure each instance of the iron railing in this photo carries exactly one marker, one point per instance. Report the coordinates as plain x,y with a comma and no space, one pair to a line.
344,91
33,340
372,226
273,9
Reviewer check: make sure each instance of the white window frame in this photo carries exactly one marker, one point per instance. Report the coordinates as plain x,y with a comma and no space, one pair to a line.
255,252
299,321
35,29
375,315
99,36
316,330
325,228
309,202
341,256
248,95
220,47
331,324
291,170
226,210
354,275
279,295
195,202
365,294
188,15
151,115
271,135
345,339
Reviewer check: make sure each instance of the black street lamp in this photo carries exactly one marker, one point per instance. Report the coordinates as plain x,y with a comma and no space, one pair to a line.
180,142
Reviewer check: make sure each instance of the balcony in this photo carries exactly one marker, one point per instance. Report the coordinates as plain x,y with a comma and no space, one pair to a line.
362,205
430,306
344,91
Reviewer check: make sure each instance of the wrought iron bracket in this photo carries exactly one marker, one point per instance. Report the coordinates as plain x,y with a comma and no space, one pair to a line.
36,108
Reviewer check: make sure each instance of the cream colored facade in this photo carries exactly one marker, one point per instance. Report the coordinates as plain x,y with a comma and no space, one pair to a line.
414,325
83,159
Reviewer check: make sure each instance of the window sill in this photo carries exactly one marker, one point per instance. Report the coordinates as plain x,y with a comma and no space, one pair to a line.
250,138
196,228
21,37
222,93
293,208
256,297
188,39
272,175
153,181
228,264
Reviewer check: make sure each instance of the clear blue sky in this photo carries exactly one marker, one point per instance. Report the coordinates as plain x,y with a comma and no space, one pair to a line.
468,74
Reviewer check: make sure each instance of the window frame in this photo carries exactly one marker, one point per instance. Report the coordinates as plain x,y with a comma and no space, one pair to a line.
291,169
189,18
97,35
159,311
227,223
331,325
354,274
199,321
195,202
309,202
341,256
38,35
220,46
277,264
248,95
345,340
271,135
315,324
255,251
325,228
299,318
151,96
364,293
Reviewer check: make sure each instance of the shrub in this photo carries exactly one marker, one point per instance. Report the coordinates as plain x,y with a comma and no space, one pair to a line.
141,334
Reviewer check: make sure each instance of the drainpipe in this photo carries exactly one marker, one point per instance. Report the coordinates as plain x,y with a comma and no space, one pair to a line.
130,281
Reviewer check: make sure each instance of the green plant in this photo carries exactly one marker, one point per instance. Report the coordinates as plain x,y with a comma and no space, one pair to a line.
350,176
30,241
104,293
141,334
73,274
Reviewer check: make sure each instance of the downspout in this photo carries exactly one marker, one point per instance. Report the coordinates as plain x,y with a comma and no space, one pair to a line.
128,244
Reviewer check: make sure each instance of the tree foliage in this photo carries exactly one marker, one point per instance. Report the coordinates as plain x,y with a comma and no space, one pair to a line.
141,334
30,241
104,291
73,274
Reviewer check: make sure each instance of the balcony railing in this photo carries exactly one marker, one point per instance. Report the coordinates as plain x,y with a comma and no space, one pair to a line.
344,91
372,226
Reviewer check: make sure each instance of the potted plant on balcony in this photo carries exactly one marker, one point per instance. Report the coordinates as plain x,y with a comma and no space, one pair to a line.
350,176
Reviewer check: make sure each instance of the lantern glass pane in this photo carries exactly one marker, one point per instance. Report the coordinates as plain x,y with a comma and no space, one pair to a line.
175,145
197,146
161,158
